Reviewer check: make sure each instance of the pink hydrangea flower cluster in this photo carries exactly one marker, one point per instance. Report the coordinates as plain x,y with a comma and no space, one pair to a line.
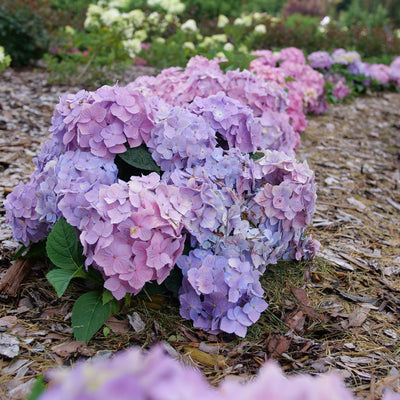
229,184
203,78
394,71
134,375
136,235
305,85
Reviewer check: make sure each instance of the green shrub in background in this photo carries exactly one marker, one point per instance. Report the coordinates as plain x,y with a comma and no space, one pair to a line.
22,32
87,58
209,9
367,13
298,21
272,7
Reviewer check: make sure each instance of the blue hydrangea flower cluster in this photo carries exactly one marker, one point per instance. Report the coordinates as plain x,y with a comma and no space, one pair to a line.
229,185
134,375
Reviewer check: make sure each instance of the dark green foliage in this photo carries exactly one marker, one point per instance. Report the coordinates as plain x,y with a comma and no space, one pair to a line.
208,9
22,32
272,7
367,13
294,21
140,158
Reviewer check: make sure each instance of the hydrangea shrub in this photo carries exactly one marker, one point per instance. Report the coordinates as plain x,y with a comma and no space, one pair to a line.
208,161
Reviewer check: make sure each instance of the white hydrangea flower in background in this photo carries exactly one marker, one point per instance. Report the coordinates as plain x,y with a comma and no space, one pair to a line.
189,46
220,54
219,38
189,26
69,30
140,35
238,21
137,18
110,16
132,46
260,29
119,3
229,47
222,21
244,20
93,15
153,18
170,6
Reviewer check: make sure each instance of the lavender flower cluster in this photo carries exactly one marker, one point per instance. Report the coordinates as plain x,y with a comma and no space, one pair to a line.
351,62
230,186
133,375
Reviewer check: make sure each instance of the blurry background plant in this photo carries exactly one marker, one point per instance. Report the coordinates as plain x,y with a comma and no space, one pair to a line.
22,32
5,59
90,39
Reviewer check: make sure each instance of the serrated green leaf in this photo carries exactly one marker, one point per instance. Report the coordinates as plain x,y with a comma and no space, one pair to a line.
63,248
60,278
38,388
139,157
89,314
289,79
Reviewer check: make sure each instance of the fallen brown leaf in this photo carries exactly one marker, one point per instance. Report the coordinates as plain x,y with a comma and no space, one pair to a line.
277,345
70,348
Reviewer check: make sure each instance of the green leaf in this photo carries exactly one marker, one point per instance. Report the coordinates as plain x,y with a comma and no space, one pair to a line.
289,79
63,248
236,60
89,314
173,282
32,250
256,156
38,388
60,278
139,157
107,296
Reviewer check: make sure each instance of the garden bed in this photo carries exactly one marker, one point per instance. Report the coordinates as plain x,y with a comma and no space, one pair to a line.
339,312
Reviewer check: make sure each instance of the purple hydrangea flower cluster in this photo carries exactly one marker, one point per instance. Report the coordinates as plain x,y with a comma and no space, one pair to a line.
320,59
103,121
134,375
229,183
220,293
